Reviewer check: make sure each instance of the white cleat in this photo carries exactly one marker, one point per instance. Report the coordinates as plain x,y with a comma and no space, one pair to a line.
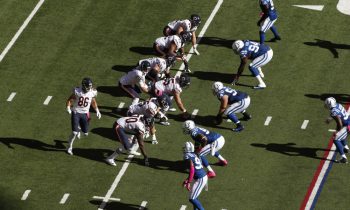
154,142
166,123
110,162
260,86
70,150
78,135
172,110
134,153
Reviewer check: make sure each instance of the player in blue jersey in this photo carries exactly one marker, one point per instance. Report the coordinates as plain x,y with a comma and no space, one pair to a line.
206,142
268,18
341,117
196,173
232,102
260,55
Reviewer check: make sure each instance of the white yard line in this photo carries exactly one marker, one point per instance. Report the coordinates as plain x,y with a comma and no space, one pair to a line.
121,105
194,113
25,195
20,30
268,120
47,100
143,205
12,95
183,207
312,7
331,130
101,198
64,198
201,34
304,125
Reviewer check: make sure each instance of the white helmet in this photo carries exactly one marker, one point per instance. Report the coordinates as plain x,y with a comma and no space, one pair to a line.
187,126
188,147
216,87
237,46
330,102
152,108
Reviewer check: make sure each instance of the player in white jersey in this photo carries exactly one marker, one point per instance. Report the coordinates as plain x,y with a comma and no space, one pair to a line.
81,99
188,25
127,130
134,80
158,66
173,87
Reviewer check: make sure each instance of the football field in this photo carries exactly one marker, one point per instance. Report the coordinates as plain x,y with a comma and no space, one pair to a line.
282,159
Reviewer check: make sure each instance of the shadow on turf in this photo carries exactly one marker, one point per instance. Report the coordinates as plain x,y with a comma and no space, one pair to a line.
123,68
112,205
342,98
143,50
329,45
289,149
216,42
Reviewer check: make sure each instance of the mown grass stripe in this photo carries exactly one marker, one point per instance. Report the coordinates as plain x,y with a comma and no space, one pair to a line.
25,195
12,95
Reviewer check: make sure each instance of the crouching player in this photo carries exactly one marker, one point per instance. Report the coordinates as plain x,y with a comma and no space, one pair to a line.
197,174
209,142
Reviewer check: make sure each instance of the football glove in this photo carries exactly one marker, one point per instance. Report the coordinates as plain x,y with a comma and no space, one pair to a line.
185,115
98,114
195,51
69,110
187,184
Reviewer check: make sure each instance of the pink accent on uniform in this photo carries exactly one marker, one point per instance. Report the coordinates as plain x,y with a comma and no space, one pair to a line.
158,92
261,14
222,163
88,116
211,174
190,177
348,127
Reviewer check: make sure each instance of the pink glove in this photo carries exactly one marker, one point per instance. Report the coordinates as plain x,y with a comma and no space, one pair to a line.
187,184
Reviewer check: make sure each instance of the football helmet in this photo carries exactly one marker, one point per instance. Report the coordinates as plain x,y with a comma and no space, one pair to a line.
145,66
216,87
86,84
189,147
237,46
151,108
195,20
330,102
170,62
185,36
188,126
184,80
164,102
149,121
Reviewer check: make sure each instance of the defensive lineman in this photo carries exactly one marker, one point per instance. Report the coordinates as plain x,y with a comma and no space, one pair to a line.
268,18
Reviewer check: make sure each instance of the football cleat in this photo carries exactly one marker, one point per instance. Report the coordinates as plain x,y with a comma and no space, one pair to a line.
154,142
78,135
70,151
343,160
222,163
246,116
238,129
110,162
259,87
134,153
172,110
211,174
346,150
165,123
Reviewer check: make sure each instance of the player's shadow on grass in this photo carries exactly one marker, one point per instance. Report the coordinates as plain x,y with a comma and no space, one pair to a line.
113,205
143,50
342,98
112,111
32,143
290,149
104,132
111,90
216,42
217,76
123,68
332,47
159,164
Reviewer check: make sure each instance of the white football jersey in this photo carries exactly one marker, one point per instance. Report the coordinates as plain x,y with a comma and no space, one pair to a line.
176,24
165,42
133,77
168,86
161,62
132,125
142,108
83,100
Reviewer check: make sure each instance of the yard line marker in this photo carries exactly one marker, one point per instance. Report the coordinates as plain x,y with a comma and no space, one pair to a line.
268,120
343,6
101,198
143,205
304,125
64,198
121,105
312,7
20,30
116,181
194,113
12,95
331,130
47,100
201,34
25,195
183,207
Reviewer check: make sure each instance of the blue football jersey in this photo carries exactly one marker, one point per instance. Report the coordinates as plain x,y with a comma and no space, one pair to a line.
233,95
199,172
339,110
253,50
211,136
272,11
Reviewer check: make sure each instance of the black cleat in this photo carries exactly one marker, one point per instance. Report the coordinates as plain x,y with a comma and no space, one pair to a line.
275,39
246,116
238,129
343,160
346,150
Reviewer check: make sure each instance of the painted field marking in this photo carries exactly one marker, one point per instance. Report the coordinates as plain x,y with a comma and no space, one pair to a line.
268,120
183,207
304,125
343,6
201,34
47,100
121,105
223,209
331,130
194,113
143,205
12,95
64,198
101,198
25,195
312,7
20,30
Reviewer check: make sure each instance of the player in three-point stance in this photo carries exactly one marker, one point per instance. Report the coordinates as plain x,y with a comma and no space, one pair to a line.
341,117
196,173
267,20
81,99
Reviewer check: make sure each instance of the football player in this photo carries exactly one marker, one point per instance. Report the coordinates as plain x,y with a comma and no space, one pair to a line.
78,106
232,102
196,173
158,66
341,117
188,25
173,87
149,110
207,142
260,55
134,80
267,20
163,101
127,130
173,46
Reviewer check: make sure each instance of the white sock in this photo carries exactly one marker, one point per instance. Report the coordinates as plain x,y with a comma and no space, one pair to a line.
209,168
344,156
261,82
221,158
72,138
346,147
114,155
